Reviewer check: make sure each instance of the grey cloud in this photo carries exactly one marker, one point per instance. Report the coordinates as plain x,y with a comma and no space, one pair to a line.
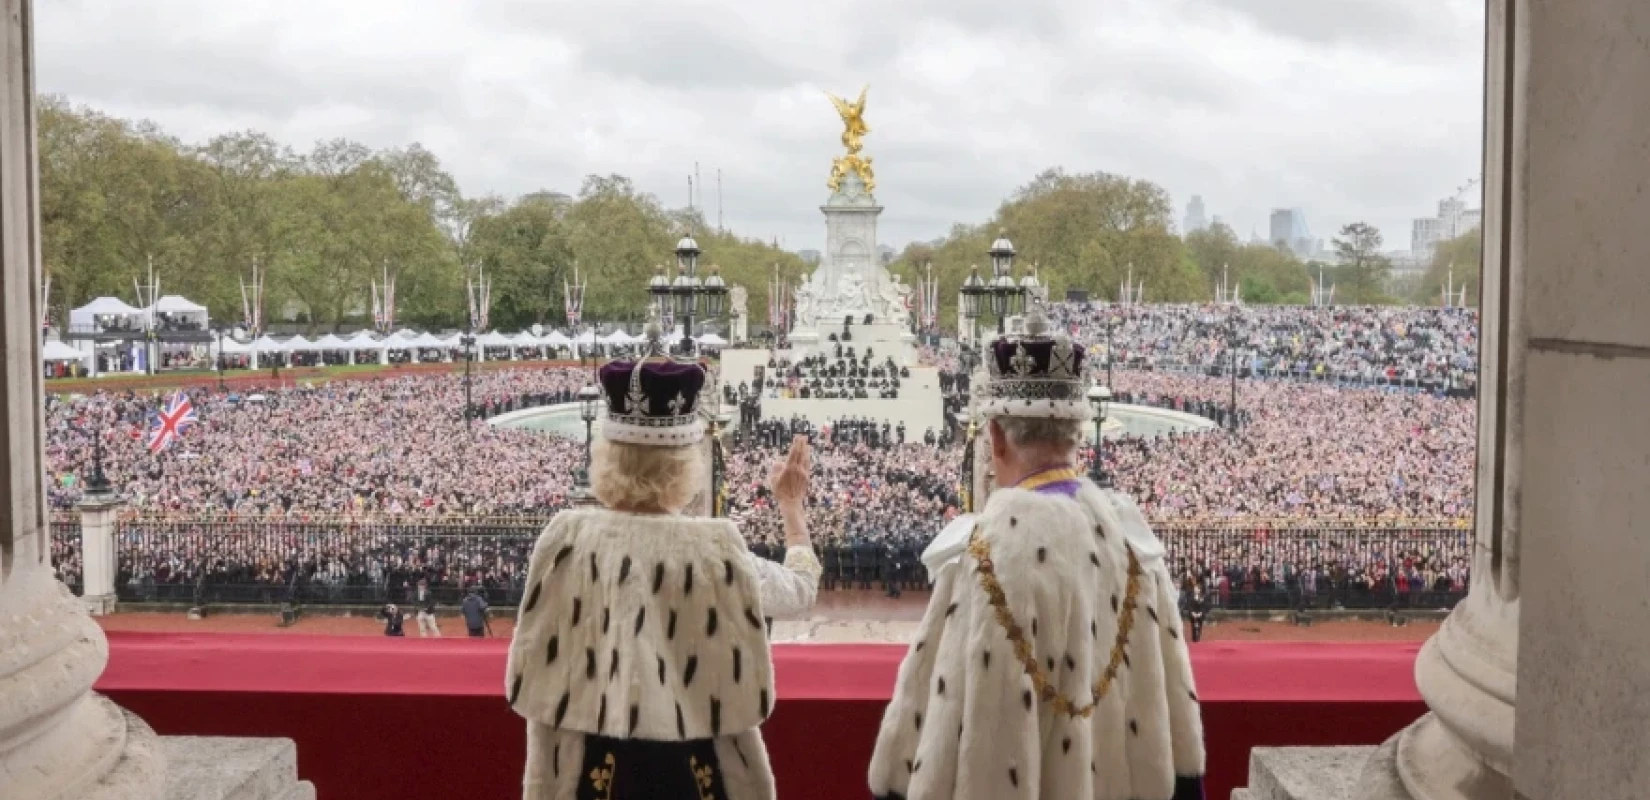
1394,25
969,98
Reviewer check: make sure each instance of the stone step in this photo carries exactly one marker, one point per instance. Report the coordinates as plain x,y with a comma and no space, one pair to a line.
1305,773
303,790
1241,794
223,768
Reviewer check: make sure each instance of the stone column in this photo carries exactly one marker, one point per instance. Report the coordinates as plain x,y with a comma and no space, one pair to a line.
97,552
1552,641
57,738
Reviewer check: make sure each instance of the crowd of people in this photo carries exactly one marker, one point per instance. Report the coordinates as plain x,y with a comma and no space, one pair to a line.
400,450
370,447
1433,348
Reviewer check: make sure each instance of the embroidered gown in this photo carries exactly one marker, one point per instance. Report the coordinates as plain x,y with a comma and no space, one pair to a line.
997,696
640,658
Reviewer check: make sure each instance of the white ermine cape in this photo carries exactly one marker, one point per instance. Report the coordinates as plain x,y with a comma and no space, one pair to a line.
968,720
636,630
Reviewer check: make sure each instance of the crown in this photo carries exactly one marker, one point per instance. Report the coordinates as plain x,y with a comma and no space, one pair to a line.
653,402
1033,374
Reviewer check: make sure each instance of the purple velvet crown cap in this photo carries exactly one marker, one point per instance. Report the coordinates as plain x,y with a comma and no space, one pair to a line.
1040,352
662,383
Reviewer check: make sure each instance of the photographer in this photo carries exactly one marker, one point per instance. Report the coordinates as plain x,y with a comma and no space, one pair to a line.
475,612
393,620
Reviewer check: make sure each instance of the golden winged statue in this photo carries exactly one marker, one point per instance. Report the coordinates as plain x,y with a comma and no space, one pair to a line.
853,133
853,120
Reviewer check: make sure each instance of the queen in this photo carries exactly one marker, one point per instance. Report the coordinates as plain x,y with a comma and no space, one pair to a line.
640,657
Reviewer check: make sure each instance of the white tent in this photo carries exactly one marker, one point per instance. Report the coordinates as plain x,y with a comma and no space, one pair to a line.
586,338
527,339
264,344
298,344
332,342
400,340
176,304
58,351
557,339
428,342
85,317
713,340
232,346
363,340
617,338
494,339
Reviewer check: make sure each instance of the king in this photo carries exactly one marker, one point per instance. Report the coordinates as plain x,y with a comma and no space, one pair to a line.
1050,663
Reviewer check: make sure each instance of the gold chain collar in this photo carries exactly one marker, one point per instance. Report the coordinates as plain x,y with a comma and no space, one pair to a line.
1045,688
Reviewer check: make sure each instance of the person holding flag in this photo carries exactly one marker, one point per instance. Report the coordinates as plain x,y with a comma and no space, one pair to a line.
169,424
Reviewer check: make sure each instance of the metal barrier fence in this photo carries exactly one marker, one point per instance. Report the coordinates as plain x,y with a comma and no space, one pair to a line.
1267,545
332,561
342,561
65,549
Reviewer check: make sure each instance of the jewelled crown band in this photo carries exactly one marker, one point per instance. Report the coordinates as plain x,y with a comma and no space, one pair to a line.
1034,375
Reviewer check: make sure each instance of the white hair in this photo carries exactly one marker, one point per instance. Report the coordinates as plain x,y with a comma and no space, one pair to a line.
641,476
1036,433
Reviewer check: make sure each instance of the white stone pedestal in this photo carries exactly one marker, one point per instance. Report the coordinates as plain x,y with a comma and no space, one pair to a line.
97,552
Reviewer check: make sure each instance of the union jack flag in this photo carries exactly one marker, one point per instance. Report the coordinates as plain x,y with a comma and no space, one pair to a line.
168,425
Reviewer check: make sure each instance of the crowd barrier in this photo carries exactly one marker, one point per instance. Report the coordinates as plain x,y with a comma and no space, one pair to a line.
339,560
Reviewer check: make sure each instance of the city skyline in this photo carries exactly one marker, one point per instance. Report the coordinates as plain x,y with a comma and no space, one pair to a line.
1221,99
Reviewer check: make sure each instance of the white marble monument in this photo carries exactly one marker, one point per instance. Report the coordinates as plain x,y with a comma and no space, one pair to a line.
850,292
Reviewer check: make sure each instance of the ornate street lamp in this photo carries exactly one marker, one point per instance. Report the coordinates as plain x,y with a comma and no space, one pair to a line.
685,296
1008,297
1100,398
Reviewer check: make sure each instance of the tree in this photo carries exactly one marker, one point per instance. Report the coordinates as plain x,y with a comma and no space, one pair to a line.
1455,263
1363,270
1081,231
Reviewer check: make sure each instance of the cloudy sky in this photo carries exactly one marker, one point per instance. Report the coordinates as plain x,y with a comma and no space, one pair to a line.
1349,109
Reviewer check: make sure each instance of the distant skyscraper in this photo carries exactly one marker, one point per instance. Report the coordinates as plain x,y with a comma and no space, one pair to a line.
1195,219
1424,235
1289,231
1217,220
886,254
1451,214
809,257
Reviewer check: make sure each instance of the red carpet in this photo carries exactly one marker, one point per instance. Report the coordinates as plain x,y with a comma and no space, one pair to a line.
411,718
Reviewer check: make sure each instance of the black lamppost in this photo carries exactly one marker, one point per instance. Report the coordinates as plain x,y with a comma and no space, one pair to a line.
683,295
99,484
151,351
718,500
1231,345
1099,397
468,342
220,331
1007,297
1111,321
589,400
